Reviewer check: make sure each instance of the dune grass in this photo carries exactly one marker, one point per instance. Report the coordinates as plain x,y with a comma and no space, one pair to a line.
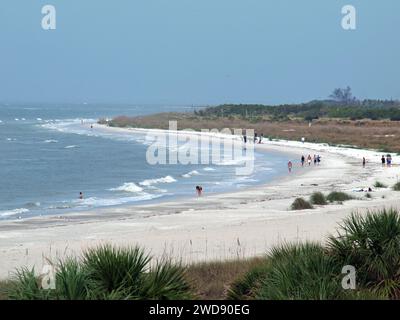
318,198
371,134
396,187
212,280
4,290
301,204
337,196
379,185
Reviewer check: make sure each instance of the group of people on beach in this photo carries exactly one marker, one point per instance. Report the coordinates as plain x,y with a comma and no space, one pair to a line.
316,159
386,161
256,139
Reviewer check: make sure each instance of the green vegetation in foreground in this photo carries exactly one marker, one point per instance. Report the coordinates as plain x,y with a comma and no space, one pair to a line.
106,272
396,187
301,204
307,271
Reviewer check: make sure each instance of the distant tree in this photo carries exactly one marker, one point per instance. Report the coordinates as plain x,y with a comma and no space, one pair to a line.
343,95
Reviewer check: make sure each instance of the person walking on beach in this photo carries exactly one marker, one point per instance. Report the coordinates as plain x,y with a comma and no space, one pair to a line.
261,137
389,160
364,162
255,137
318,159
309,160
199,190
290,166
315,159
302,161
383,161
80,196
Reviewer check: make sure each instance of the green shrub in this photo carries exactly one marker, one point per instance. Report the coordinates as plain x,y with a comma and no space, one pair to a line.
301,204
71,281
26,286
106,272
379,185
112,269
245,288
371,243
301,272
337,196
166,281
318,198
396,187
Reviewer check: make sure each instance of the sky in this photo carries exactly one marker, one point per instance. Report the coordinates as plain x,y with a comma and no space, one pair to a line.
199,52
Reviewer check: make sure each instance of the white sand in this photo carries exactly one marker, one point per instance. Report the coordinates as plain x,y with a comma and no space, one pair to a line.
215,227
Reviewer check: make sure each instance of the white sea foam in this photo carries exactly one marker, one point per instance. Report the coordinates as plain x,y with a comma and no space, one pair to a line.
50,141
233,162
149,182
105,202
128,187
13,212
71,147
190,174
39,119
209,169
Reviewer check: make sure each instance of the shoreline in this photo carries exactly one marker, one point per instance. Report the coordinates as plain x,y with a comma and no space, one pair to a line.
221,226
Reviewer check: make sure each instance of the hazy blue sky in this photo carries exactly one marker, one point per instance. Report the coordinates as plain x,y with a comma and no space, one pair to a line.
197,51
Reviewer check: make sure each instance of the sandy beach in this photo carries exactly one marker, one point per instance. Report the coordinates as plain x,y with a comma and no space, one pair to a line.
214,227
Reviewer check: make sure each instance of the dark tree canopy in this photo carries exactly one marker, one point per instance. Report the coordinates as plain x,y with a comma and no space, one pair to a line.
342,95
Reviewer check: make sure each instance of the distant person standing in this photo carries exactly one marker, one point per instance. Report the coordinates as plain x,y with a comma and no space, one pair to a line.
303,159
383,161
261,137
255,138
303,139
290,166
389,160
244,138
80,196
199,190
315,159
309,159
364,162
318,159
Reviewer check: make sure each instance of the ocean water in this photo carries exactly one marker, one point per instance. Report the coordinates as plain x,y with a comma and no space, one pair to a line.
47,156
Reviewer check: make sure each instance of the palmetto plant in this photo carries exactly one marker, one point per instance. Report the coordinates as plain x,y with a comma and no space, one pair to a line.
106,272
371,243
301,272
112,269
